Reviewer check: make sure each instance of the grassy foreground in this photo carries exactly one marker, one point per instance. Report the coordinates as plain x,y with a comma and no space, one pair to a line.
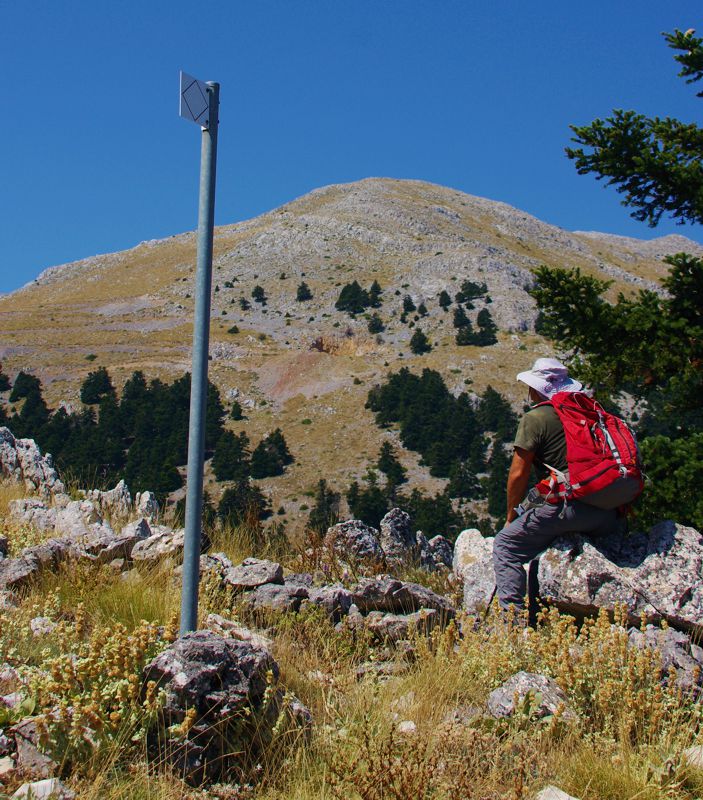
626,741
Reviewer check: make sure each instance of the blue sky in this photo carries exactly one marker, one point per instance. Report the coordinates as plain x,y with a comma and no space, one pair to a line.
473,95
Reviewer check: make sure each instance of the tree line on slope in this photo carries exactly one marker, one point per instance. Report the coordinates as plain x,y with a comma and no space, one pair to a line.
141,437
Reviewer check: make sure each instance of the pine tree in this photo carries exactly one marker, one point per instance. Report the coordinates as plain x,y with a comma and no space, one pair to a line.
444,299
23,385
236,412
369,504
408,305
4,382
465,335
422,310
497,481
243,504
271,456
303,293
419,343
463,482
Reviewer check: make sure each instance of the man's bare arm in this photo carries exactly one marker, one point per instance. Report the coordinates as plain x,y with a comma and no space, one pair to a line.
518,477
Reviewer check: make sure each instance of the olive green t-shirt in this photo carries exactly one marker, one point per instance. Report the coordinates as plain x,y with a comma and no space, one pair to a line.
540,432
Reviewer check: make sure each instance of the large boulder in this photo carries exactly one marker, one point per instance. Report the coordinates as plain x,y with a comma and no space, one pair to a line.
219,684
658,574
21,460
275,597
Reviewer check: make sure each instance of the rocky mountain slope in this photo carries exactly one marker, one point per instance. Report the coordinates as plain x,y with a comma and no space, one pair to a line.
303,366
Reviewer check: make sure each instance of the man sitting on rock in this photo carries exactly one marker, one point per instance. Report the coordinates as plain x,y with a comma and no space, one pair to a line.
539,441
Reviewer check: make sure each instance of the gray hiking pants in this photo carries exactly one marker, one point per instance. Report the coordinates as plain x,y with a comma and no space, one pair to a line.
531,533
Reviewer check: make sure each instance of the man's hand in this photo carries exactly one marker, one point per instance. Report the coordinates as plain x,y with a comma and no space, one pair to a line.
518,477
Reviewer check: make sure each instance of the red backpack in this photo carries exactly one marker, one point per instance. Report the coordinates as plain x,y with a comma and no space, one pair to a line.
604,467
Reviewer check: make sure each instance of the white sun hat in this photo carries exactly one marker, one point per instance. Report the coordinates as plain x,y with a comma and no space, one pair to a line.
549,376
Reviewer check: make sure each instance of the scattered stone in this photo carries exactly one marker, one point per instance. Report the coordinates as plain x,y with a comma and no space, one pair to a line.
657,574
7,768
334,599
21,460
253,572
383,593
501,701
29,758
48,789
139,528
229,627
675,651
42,626
299,579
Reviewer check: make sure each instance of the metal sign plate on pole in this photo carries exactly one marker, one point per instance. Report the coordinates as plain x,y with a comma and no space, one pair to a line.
194,100
200,101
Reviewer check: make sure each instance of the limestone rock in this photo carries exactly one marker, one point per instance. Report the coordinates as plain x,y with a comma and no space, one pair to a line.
253,572
439,553
659,573
473,565
334,599
41,626
396,538
395,627
21,460
275,597
214,564
220,678
115,503
501,701
234,630
383,593
146,505
553,793
354,540
29,758
48,789
34,512
162,543
675,649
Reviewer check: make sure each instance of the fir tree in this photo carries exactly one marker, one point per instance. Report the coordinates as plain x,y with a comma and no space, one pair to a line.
236,412
460,320
271,456
419,343
408,305
303,293
391,467
259,295
368,504
444,300
352,299
231,459
23,385
325,511
375,324
497,481
243,504
375,294
486,334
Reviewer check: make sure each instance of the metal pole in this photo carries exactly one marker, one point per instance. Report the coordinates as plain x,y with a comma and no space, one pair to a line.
199,382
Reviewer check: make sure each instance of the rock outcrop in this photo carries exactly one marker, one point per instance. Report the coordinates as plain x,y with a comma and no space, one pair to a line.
22,461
